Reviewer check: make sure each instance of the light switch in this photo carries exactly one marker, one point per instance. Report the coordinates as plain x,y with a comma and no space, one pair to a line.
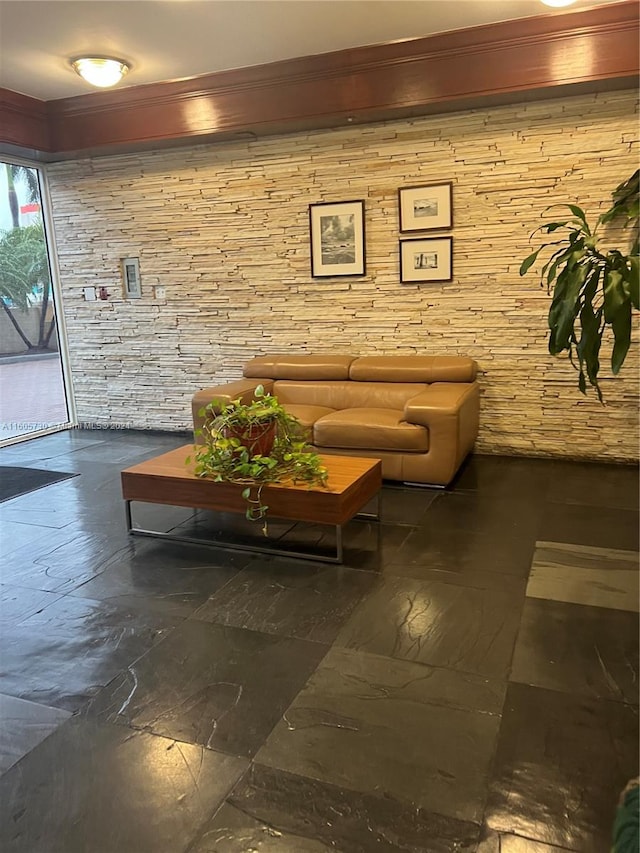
89,294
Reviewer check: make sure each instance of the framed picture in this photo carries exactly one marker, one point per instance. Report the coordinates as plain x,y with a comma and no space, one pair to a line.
426,259
337,238
427,208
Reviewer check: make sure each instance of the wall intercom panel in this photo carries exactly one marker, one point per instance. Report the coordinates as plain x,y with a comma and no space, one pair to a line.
131,276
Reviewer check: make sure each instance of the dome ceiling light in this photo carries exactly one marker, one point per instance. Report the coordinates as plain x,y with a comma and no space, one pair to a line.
101,71
557,4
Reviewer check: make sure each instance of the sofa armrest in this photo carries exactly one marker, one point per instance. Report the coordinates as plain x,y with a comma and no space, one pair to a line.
450,411
242,389
442,400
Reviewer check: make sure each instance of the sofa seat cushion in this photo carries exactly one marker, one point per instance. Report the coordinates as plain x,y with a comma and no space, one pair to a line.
370,429
307,415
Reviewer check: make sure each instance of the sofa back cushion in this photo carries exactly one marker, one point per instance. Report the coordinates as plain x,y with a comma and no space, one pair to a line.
347,394
370,368
299,367
413,368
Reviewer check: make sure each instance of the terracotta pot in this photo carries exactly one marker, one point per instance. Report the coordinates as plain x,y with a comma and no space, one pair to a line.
257,438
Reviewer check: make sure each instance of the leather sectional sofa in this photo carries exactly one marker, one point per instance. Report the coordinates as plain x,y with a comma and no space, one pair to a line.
418,414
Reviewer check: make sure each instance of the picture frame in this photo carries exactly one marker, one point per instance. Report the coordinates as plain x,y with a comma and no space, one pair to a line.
426,208
336,234
426,259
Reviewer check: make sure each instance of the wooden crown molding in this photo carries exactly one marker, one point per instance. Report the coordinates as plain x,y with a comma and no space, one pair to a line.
24,121
516,60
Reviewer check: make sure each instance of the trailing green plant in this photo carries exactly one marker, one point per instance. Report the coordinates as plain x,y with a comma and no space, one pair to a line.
255,444
592,288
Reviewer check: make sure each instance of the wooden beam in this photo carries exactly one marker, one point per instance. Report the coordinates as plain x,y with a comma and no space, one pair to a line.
539,57
24,121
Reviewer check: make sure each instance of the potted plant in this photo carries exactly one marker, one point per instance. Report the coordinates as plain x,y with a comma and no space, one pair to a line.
594,288
255,444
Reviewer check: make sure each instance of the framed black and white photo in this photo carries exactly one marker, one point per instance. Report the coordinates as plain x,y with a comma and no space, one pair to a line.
426,259
427,208
337,238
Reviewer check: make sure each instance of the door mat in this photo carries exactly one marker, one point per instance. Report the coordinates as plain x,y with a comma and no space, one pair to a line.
19,481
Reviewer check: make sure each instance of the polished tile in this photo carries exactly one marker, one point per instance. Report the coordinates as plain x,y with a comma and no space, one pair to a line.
421,735
16,535
236,831
583,651
157,518
93,501
403,504
235,526
105,789
602,485
301,534
388,742
109,506
126,451
63,443
496,842
462,552
68,652
221,687
16,481
39,509
367,545
54,506
582,574
66,559
163,576
18,603
288,598
272,811
372,545
23,725
500,477
560,765
470,578
94,494
225,530
498,518
605,527
441,624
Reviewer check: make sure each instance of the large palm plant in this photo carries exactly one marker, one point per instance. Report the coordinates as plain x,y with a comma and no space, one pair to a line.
24,273
593,288
30,177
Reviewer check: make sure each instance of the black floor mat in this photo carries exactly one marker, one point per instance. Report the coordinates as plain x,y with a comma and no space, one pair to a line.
19,481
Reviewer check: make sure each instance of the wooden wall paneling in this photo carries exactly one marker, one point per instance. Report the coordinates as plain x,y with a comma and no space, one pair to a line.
393,80
24,121
514,60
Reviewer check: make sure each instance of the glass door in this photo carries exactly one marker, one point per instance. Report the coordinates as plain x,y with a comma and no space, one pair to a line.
34,384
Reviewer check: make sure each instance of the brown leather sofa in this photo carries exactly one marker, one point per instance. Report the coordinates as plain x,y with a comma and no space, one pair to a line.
418,414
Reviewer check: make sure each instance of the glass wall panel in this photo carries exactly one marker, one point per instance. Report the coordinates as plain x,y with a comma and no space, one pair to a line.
33,396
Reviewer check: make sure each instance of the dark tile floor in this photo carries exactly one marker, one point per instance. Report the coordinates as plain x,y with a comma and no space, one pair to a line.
467,681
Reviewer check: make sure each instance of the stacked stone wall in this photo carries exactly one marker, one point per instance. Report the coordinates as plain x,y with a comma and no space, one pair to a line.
224,229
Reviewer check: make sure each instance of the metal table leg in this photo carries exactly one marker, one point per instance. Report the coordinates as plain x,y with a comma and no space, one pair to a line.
232,546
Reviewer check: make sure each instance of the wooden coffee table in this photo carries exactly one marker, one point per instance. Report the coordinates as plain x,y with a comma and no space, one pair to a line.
167,479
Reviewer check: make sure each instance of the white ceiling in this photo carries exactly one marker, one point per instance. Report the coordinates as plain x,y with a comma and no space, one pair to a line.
171,39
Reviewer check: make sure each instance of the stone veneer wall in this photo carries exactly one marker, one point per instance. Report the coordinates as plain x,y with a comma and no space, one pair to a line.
224,228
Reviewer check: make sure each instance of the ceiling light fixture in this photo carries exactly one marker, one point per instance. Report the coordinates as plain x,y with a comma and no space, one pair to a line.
557,4
101,71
